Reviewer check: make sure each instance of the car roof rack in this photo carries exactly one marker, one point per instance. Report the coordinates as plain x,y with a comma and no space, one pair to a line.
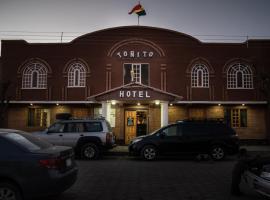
87,118
220,120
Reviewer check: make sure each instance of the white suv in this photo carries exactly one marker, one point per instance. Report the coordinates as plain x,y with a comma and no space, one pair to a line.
88,137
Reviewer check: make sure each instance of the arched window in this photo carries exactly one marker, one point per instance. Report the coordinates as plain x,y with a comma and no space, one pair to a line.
76,75
239,76
34,76
199,76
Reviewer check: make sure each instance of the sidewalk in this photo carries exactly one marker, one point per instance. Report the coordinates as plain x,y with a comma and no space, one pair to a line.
122,150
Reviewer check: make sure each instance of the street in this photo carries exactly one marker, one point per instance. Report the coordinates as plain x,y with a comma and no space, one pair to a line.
125,178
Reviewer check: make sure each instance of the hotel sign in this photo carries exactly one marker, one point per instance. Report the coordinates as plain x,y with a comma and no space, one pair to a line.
134,94
134,54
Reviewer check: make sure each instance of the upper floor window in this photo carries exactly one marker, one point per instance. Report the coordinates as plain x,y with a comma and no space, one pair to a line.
76,75
136,73
199,76
34,76
239,76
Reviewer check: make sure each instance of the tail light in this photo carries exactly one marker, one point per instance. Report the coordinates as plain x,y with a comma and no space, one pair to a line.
109,138
51,163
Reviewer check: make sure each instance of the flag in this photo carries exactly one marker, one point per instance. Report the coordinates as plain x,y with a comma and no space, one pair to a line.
138,9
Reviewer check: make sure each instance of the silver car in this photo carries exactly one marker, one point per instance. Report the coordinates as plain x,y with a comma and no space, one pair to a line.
260,181
88,137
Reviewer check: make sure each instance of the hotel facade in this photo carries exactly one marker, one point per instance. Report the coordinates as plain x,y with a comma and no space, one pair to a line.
139,78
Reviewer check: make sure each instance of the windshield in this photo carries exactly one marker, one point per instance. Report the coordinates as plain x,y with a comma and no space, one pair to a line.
28,141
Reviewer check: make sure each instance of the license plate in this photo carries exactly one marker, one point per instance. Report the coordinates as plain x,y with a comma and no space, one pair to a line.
68,162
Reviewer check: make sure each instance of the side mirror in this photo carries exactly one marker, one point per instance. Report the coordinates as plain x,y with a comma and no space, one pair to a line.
47,131
162,134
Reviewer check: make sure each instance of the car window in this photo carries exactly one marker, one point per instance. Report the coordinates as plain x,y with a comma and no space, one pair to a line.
28,141
221,129
74,127
93,127
56,128
170,131
196,129
7,147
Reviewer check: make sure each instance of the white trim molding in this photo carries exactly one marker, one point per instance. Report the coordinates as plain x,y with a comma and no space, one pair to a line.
222,102
52,102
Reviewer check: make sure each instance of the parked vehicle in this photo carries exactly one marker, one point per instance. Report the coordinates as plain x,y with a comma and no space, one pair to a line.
89,137
31,168
187,137
257,175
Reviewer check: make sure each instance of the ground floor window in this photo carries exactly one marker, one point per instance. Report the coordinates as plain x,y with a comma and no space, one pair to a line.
236,117
38,117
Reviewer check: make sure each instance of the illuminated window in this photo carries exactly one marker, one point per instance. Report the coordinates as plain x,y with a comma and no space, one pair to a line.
76,75
38,117
236,117
34,76
239,76
200,76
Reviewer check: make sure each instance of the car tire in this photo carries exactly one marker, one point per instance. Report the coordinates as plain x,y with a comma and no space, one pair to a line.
9,191
149,152
217,152
90,151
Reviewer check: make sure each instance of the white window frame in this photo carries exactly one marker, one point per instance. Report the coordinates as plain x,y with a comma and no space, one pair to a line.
195,76
247,76
137,71
72,69
27,76
139,77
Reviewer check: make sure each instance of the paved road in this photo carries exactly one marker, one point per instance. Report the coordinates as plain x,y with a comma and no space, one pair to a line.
124,178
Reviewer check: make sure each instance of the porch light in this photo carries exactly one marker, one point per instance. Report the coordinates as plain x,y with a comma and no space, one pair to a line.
171,104
31,104
157,102
243,104
57,104
113,102
219,104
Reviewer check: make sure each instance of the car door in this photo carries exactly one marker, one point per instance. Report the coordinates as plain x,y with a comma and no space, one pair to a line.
72,132
54,133
169,139
194,137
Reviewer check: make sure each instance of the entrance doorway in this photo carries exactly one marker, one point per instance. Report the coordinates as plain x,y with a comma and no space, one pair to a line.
136,124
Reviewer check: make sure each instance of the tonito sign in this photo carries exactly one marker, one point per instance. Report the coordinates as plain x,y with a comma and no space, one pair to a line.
134,54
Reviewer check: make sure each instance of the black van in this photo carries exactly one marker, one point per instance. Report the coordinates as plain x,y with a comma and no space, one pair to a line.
191,137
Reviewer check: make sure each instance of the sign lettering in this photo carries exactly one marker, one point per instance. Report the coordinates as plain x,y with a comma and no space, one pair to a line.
133,94
135,54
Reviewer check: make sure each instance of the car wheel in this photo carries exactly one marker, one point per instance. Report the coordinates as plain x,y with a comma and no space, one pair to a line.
218,152
9,191
149,152
90,151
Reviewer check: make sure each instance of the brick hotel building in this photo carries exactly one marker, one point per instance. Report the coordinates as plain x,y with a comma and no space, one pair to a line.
140,78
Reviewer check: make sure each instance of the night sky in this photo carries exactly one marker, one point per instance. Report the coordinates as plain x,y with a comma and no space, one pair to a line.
219,19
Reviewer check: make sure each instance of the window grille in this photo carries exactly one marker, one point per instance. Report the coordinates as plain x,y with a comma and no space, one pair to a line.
236,118
239,76
34,76
136,72
76,75
200,76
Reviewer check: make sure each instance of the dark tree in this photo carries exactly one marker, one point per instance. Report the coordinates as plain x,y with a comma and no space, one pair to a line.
4,86
264,79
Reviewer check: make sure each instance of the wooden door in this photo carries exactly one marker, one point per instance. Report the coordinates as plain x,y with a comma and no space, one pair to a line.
130,126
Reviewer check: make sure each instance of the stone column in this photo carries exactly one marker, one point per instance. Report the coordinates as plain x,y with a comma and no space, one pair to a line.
106,110
164,113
